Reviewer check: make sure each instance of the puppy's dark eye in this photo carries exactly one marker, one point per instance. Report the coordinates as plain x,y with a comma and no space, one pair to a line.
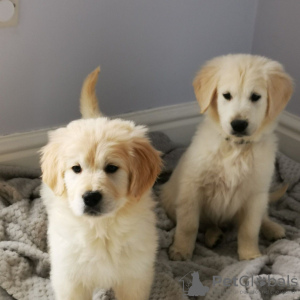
227,96
76,169
255,97
111,169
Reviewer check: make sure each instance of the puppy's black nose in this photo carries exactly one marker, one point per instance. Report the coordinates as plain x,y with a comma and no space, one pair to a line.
239,126
91,199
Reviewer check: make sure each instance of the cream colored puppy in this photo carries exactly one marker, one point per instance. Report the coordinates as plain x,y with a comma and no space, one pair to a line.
226,172
97,179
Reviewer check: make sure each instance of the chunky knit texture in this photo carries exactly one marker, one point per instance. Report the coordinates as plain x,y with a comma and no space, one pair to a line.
24,260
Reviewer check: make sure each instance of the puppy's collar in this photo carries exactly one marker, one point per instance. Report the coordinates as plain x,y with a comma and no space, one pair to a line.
238,142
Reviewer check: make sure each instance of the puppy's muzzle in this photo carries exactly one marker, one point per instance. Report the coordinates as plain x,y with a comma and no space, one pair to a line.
239,127
92,200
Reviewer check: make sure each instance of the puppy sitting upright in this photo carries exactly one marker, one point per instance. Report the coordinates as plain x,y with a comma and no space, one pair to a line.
97,179
225,174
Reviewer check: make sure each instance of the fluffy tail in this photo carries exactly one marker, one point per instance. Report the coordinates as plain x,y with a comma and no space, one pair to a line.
89,107
276,195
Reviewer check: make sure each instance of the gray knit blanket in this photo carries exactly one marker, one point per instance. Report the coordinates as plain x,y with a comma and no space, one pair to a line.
211,274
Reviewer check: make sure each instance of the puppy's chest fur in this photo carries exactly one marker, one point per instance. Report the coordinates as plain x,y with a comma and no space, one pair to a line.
102,247
101,250
222,179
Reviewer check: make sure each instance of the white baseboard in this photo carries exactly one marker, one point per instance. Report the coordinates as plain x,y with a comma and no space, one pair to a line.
177,121
288,131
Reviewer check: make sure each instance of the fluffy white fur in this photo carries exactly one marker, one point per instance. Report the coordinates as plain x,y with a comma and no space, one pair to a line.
115,248
225,177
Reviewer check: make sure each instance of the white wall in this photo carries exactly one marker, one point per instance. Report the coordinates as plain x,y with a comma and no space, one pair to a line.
149,51
277,35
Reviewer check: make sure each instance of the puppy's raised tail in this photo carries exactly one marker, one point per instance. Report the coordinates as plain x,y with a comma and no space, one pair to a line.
276,195
89,107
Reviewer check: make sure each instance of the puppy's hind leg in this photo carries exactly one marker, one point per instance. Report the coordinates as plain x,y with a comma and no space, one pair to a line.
271,230
212,236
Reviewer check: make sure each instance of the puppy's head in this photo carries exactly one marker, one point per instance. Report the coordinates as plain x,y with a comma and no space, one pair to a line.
99,165
242,93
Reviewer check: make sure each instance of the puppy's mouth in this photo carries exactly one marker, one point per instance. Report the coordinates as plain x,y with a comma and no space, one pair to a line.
239,134
98,210
92,211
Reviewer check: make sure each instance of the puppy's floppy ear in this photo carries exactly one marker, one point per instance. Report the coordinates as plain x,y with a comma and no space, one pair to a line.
280,89
205,85
51,165
89,107
145,166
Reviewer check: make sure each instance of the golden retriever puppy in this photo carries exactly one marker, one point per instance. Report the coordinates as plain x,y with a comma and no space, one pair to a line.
225,174
97,179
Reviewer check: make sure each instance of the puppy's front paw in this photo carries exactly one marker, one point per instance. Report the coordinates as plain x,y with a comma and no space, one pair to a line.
248,254
178,254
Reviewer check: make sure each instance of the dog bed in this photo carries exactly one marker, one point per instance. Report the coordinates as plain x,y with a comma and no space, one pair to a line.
211,274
